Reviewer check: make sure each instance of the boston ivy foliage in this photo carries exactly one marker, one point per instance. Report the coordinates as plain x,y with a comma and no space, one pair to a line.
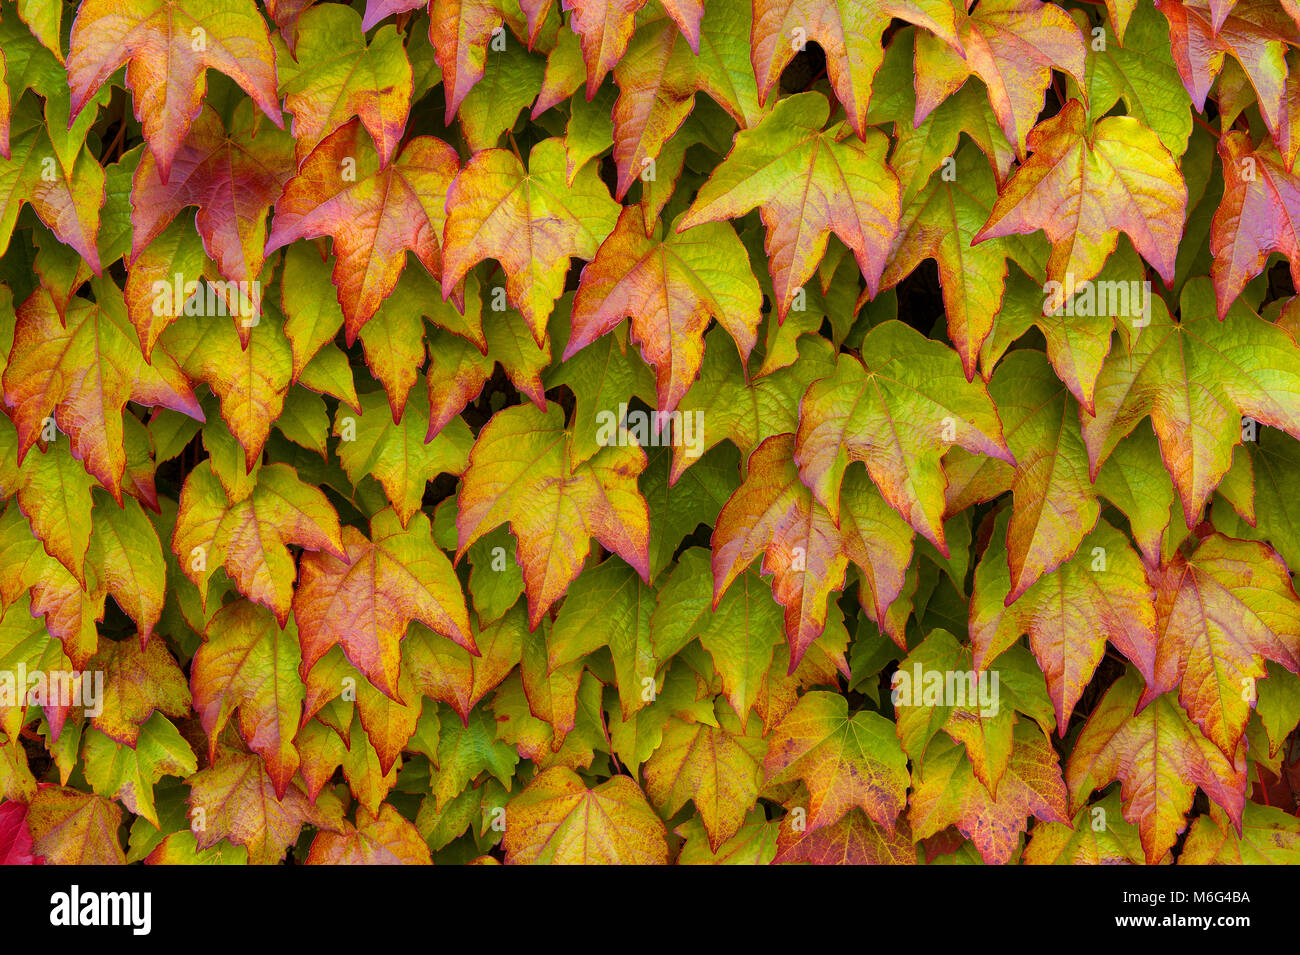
649,431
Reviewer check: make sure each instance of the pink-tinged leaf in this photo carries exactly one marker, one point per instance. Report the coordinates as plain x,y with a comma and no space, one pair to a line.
1222,611
669,287
846,762
1255,33
848,31
167,45
1084,186
374,215
387,839
808,183
1160,759
1012,45
521,470
366,601
774,514
1257,216
233,177
340,76
1068,614
898,410
659,76
16,846
1196,378
75,828
530,220
248,663
947,793
380,10
82,368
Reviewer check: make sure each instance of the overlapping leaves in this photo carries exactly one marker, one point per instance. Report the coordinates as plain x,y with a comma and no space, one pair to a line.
534,432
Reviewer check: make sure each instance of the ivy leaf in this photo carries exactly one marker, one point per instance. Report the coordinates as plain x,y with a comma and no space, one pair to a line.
446,671
1268,836
754,844
75,828
659,76
394,340
521,470
1275,463
1077,344
741,634
82,367
1255,217
339,76
850,35
238,803
1222,611
845,761
67,194
139,680
69,611
1141,72
24,641
1083,186
939,223
1055,501
1255,33
1195,378
897,410
44,18
15,839
167,47
809,183
602,376
677,510
947,793
125,558
394,450
557,820
52,485
853,840
981,716
530,220
365,600
1100,594
250,535
1012,45
460,31
247,364
922,148
247,662
605,28
669,287
1160,759
1082,842
375,215
608,605
233,177
774,513
747,414
128,773
466,749
386,839
715,767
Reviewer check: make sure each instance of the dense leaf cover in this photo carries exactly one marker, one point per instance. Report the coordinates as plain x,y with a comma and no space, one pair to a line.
696,431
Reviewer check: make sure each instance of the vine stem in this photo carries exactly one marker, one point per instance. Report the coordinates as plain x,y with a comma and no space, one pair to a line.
1259,774
1206,126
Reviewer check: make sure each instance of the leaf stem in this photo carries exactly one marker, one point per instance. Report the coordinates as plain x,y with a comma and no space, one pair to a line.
1206,126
